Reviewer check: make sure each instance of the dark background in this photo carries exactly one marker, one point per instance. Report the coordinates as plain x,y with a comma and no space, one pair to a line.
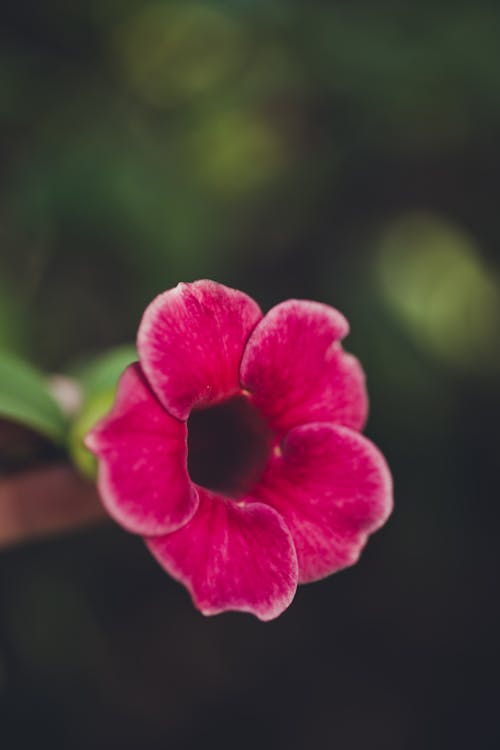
340,151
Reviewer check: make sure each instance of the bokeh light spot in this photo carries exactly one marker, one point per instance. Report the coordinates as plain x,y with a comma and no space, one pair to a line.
175,52
238,151
432,275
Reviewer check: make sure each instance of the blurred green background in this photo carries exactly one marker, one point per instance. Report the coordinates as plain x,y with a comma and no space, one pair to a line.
340,151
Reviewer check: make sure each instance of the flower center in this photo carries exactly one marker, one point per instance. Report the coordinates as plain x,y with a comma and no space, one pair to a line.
228,446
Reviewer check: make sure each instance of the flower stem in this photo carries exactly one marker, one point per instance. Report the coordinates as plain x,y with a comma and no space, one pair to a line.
45,501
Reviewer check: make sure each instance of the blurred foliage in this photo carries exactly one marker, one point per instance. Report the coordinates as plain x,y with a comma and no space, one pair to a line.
150,141
342,151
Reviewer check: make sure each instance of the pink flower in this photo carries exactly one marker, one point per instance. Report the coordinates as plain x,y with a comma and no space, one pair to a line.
234,448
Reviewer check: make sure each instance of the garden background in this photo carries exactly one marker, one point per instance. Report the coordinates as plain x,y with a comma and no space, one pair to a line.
339,151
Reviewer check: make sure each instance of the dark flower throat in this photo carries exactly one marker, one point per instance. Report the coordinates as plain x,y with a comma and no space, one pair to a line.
228,446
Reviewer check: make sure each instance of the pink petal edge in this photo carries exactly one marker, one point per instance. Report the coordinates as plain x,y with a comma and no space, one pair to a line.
232,556
190,343
142,452
333,488
297,372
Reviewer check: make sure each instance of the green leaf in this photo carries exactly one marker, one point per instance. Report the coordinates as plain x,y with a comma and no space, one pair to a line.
104,371
25,398
95,407
99,380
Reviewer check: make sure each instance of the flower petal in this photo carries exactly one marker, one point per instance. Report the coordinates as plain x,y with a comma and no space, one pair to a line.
232,556
143,479
191,341
297,371
332,487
